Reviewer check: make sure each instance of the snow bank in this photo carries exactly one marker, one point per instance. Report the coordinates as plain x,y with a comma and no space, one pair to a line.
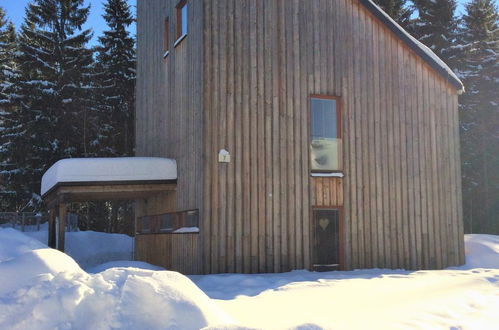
46,289
90,248
13,243
482,251
109,169
123,264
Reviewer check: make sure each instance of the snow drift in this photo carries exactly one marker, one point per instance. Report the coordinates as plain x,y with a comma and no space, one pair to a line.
90,249
482,251
46,289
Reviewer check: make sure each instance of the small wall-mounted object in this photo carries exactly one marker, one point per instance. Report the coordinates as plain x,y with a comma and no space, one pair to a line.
223,156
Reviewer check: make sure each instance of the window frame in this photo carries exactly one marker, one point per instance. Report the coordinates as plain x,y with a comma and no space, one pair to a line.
179,34
166,37
339,129
178,220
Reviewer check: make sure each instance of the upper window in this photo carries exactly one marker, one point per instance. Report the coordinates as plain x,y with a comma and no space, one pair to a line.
326,134
181,26
166,37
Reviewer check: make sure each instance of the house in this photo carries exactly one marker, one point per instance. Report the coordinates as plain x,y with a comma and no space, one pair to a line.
310,134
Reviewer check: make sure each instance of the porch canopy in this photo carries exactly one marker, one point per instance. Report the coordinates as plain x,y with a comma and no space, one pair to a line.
90,179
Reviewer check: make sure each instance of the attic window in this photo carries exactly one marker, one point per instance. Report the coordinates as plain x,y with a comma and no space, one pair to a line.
181,26
166,37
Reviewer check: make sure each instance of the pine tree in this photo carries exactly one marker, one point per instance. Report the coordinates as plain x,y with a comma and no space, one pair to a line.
479,115
399,10
116,81
55,68
436,27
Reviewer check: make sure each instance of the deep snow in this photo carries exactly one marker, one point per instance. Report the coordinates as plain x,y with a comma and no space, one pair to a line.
41,288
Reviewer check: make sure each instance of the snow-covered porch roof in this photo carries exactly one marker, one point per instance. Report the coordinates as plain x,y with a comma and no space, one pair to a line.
89,179
108,171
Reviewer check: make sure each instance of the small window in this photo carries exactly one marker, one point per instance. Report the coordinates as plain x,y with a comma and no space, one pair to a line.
146,224
181,26
192,218
166,37
166,223
326,146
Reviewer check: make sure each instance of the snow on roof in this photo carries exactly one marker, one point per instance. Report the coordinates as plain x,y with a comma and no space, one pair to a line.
109,170
424,52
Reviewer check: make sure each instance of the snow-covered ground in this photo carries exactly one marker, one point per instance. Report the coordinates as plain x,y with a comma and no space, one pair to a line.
41,288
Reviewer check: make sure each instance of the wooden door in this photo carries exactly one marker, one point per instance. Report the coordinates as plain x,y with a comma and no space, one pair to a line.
327,239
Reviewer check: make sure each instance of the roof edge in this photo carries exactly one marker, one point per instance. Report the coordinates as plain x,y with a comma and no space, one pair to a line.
424,52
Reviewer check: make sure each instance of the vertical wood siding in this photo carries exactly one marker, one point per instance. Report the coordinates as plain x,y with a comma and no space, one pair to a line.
169,95
401,186
180,252
241,81
169,123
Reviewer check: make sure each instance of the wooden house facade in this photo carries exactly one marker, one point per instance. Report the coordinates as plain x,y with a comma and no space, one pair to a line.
308,134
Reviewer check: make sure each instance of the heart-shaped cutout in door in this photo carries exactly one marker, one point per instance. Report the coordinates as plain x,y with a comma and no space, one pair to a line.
323,223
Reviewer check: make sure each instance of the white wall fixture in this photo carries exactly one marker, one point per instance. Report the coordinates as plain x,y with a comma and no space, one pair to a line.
223,156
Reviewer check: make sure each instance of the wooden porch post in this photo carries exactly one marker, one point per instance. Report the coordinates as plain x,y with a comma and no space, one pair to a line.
62,226
51,235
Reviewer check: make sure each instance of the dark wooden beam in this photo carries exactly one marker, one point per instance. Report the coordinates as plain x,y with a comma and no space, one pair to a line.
62,226
51,233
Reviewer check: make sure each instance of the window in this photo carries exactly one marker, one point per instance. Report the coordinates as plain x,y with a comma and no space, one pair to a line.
181,26
146,224
192,218
166,223
166,38
181,222
325,149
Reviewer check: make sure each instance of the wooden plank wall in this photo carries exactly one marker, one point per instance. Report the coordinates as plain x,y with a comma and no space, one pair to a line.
169,124
402,184
171,251
169,107
256,88
402,176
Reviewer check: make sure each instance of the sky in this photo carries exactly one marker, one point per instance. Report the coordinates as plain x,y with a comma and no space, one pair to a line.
15,12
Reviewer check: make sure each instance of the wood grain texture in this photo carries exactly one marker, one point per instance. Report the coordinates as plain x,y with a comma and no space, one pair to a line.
327,192
180,252
241,81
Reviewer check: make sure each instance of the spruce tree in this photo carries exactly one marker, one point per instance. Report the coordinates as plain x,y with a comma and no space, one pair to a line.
116,82
479,115
436,27
399,10
8,76
55,67
115,107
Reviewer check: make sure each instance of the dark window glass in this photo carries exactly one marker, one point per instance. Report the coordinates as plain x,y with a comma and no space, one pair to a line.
146,224
166,223
192,219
